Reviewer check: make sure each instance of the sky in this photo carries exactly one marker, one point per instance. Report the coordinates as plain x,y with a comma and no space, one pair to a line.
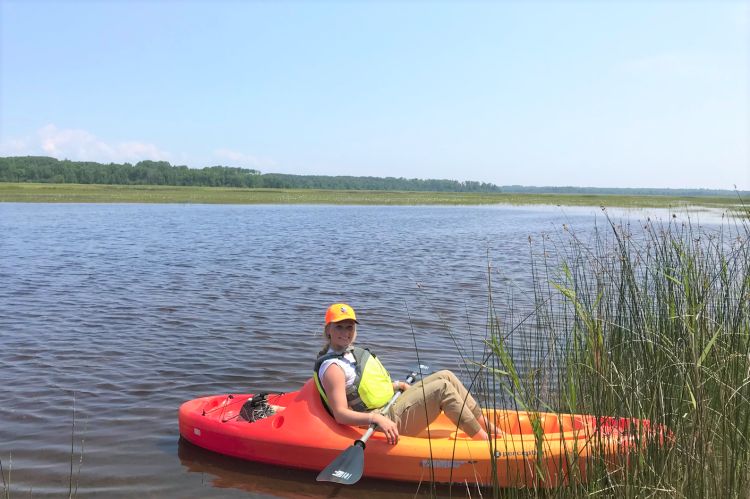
556,93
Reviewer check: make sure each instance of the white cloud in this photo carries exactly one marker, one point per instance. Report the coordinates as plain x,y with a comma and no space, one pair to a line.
82,145
673,64
244,160
79,145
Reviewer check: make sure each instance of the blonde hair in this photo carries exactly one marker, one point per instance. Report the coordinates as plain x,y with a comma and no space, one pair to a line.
327,338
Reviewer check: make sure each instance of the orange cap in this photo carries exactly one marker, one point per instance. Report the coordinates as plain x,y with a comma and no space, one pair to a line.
340,312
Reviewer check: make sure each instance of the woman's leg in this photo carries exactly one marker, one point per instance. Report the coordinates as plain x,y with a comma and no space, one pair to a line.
471,403
415,409
421,404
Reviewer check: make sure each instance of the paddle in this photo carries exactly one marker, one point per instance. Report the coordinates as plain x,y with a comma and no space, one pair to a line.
347,468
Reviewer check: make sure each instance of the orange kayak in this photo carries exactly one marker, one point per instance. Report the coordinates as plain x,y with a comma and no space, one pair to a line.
295,430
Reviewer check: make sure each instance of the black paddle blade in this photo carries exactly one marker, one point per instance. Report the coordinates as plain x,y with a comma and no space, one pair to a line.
347,468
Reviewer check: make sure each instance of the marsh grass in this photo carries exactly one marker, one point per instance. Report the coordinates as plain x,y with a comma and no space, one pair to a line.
6,483
94,193
646,321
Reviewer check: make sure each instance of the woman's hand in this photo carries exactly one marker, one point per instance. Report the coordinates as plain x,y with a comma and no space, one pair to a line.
401,385
386,426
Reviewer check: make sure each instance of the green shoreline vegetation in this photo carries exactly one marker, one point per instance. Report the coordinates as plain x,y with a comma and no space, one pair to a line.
46,179
95,193
650,322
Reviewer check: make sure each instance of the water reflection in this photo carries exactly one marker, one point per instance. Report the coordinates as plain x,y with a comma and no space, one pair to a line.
229,473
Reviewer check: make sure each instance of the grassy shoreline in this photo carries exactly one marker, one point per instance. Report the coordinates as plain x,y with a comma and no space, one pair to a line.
91,193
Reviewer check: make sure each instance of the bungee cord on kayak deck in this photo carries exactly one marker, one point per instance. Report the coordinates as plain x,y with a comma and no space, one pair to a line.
256,407
253,409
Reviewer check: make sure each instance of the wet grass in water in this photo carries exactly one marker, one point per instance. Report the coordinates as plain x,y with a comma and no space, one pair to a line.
648,322
73,475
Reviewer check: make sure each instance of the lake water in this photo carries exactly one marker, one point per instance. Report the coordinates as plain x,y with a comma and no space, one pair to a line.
113,315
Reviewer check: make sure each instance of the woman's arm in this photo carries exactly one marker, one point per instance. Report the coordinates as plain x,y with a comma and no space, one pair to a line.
334,383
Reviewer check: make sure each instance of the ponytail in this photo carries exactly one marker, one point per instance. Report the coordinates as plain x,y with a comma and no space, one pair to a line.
327,338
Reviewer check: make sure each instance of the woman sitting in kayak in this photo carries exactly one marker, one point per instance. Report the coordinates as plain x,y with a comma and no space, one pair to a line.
354,385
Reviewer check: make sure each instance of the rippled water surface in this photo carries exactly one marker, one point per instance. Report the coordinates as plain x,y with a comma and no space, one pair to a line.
112,315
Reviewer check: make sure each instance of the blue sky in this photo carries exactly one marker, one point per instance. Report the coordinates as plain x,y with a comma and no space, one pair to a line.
606,94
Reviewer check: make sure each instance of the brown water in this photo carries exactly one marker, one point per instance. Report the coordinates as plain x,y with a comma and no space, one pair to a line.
112,315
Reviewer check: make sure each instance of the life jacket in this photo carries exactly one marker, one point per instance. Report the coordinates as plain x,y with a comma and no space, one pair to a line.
372,387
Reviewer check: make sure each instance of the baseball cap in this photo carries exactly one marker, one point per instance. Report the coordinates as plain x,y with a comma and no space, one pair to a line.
339,312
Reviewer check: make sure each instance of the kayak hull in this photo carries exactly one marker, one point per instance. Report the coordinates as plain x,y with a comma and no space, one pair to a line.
301,434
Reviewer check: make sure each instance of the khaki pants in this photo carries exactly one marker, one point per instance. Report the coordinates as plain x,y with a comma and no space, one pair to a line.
421,404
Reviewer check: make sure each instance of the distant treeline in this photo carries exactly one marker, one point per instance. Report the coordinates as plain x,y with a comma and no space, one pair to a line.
50,170
44,169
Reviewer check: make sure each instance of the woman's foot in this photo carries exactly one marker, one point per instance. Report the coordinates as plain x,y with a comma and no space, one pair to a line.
490,428
480,435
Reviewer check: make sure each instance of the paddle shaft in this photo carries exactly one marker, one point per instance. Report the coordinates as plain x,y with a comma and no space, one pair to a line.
371,429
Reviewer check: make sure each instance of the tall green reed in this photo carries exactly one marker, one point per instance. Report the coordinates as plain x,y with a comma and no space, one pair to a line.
646,321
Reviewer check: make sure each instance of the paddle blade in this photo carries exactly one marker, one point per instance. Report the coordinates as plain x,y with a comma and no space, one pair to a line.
347,468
